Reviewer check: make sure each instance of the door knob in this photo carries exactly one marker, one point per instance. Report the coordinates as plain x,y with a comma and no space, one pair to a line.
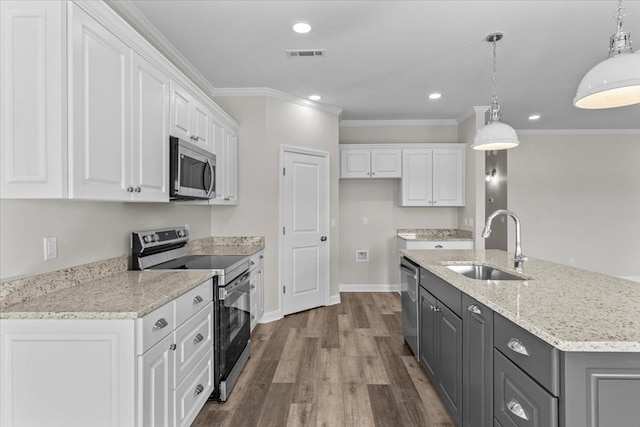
323,239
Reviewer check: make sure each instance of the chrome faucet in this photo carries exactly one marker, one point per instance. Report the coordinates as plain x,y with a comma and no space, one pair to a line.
519,259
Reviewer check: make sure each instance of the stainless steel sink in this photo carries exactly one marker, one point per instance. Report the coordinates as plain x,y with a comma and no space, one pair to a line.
482,272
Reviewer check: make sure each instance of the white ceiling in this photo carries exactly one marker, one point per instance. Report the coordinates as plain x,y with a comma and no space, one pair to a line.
384,57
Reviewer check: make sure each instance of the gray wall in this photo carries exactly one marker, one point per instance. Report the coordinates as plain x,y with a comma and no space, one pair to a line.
578,196
496,198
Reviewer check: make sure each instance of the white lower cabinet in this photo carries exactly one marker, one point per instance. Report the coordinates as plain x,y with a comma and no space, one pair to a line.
256,285
113,373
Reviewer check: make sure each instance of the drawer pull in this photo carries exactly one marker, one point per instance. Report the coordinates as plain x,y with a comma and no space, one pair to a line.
261,256
198,338
438,246
199,389
515,345
160,324
516,409
173,347
474,309
252,287
197,300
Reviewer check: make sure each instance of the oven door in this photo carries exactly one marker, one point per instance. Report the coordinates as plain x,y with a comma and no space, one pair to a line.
193,171
234,322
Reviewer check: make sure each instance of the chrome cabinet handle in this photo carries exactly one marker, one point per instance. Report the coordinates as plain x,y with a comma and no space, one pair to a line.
516,345
160,324
252,287
197,300
129,189
198,338
261,256
434,308
438,246
323,238
474,309
199,389
173,347
516,409
137,189
252,263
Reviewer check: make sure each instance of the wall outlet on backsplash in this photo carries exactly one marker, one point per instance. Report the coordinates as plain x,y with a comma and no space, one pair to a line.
50,248
362,256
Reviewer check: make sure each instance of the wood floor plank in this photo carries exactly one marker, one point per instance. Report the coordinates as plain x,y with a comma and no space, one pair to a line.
275,411
330,367
330,410
383,405
357,407
302,415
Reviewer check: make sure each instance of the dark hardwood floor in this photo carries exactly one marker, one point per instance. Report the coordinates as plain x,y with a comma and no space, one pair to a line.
343,365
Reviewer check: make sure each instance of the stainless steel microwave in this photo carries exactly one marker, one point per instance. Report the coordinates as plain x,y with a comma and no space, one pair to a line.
192,171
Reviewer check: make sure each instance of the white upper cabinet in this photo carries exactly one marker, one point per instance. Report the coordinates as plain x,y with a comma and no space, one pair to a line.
369,162
433,176
190,118
225,143
99,111
32,97
150,132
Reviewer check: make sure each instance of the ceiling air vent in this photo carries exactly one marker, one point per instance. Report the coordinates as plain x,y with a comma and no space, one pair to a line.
306,53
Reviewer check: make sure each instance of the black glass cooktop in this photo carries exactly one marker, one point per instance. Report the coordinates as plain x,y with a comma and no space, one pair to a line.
201,262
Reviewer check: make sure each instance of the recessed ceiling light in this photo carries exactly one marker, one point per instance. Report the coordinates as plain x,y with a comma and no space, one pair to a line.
301,27
435,95
315,97
535,117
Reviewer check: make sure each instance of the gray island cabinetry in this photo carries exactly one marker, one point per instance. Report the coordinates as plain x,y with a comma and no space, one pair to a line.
519,352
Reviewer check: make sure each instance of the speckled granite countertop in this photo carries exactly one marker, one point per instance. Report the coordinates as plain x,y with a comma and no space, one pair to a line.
569,308
439,234
107,290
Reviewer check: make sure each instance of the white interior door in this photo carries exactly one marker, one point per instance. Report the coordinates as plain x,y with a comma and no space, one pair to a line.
305,229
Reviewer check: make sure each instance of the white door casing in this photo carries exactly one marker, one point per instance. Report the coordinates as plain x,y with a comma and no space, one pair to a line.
305,228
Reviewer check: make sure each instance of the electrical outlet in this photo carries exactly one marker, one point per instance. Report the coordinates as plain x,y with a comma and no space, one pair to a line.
365,221
50,248
362,256
470,222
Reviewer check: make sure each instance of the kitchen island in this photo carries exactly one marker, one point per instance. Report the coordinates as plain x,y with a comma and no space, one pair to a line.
563,344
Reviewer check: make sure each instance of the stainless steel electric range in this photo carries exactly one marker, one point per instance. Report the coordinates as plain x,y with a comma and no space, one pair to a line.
166,250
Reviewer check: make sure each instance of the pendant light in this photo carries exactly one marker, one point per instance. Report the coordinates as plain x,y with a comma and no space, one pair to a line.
495,135
614,82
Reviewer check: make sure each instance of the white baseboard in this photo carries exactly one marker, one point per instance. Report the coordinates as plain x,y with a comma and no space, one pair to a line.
271,316
369,288
632,278
334,299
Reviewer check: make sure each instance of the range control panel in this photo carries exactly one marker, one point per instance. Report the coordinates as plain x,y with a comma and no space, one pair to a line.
141,240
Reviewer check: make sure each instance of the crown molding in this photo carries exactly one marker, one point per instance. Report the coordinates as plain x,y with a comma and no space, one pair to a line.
272,93
127,10
367,123
578,131
473,111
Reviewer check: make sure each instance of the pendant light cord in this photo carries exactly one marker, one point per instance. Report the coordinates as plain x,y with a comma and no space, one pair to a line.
495,106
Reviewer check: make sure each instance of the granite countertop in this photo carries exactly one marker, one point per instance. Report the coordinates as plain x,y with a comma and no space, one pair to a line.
569,308
434,234
107,290
126,295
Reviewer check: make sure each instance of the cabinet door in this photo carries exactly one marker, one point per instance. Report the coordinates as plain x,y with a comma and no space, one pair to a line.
428,332
386,163
99,111
253,297
33,142
355,164
181,104
260,284
449,360
156,379
417,184
448,177
477,348
150,132
218,145
231,165
201,127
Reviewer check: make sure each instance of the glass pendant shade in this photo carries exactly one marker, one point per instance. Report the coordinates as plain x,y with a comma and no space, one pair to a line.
495,136
614,82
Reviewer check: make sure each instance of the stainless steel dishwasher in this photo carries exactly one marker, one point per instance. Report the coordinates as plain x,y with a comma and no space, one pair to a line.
409,294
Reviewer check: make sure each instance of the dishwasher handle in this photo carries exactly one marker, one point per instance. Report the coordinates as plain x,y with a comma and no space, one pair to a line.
409,271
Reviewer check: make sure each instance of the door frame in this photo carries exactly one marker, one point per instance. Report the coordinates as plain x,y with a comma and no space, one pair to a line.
327,215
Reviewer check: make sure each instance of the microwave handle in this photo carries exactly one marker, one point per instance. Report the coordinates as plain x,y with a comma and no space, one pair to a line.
213,178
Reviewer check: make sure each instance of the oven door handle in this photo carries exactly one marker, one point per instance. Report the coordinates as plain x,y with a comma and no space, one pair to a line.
223,292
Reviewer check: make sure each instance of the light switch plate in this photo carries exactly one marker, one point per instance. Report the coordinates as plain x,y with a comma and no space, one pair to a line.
50,248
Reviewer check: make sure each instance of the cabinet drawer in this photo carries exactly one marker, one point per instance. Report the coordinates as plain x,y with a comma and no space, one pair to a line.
193,339
155,326
519,400
190,303
193,392
450,296
534,356
439,244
